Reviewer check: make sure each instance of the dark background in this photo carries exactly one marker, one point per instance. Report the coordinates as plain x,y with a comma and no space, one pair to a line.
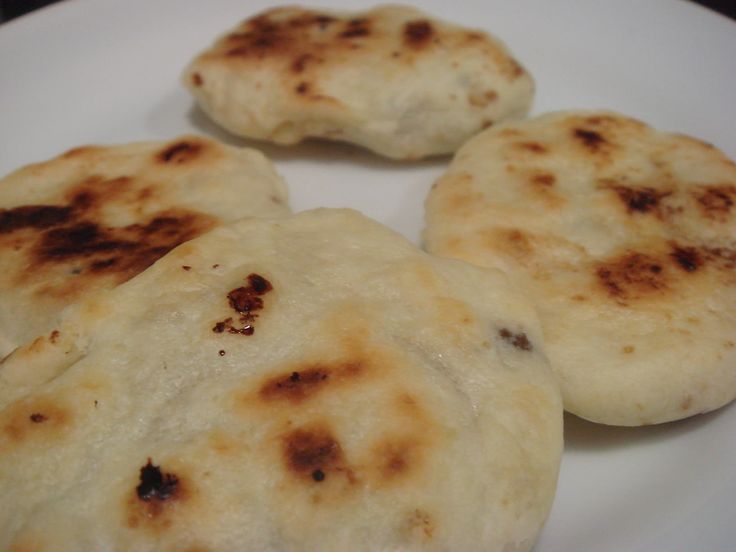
13,8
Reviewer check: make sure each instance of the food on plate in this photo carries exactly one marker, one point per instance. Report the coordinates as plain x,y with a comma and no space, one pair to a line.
391,79
312,382
625,239
95,216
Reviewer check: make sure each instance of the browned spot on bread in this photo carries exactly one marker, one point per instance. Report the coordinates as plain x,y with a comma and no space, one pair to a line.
295,387
312,449
723,257
482,99
54,336
41,418
516,69
686,403
545,180
688,259
590,139
632,275
300,63
641,199
418,34
306,382
715,202
534,147
517,242
302,88
197,79
421,526
356,28
518,339
246,301
396,458
301,36
628,349
180,152
121,252
156,498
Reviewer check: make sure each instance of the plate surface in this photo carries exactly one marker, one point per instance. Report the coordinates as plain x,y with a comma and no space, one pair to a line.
104,71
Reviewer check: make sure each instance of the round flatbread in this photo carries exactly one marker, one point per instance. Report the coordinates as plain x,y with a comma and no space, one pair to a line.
313,382
390,79
624,237
96,216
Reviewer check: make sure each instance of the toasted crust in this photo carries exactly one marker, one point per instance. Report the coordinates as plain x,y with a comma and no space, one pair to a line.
390,79
626,239
355,397
96,216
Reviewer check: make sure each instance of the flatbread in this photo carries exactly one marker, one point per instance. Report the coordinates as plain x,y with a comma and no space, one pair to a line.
625,237
95,216
391,79
312,383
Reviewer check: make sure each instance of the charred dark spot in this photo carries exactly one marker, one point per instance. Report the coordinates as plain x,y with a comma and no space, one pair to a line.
418,33
197,79
38,418
259,284
246,301
534,147
221,326
215,265
715,202
126,251
590,139
641,199
186,267
82,239
632,275
518,340
687,258
302,88
33,216
222,352
156,485
181,152
309,450
318,475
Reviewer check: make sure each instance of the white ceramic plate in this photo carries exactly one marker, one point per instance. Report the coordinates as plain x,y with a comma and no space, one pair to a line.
105,71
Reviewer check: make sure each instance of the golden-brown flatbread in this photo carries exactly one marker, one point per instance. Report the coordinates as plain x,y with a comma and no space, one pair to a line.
391,79
624,237
312,382
96,216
